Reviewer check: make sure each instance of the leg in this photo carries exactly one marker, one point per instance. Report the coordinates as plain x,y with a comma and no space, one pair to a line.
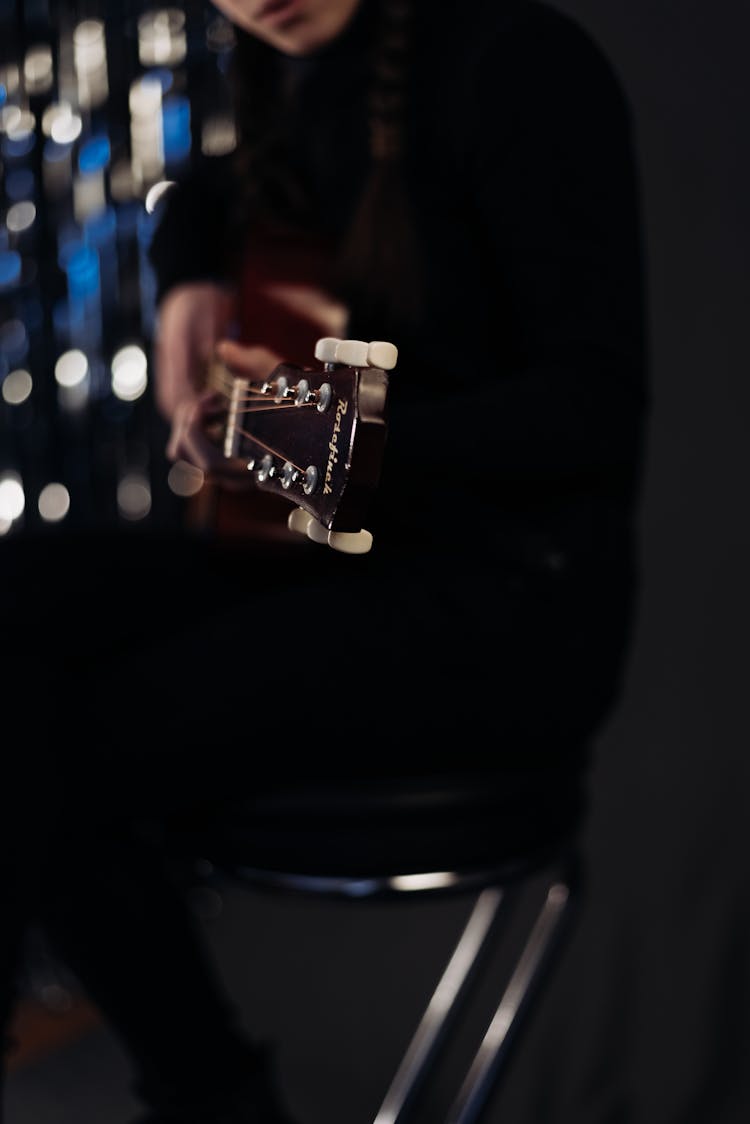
120,921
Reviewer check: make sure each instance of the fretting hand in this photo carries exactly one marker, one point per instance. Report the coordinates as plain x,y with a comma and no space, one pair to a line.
192,417
192,318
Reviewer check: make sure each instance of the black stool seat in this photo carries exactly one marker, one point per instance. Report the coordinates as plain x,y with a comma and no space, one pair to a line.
484,833
375,827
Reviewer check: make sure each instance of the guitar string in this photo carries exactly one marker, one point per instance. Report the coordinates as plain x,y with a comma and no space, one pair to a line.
269,402
269,407
217,377
270,449
221,377
224,380
252,393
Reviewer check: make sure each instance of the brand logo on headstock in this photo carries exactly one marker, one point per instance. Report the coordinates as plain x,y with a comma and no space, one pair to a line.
333,445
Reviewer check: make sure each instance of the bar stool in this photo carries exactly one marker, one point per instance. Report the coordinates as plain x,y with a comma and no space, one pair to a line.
484,835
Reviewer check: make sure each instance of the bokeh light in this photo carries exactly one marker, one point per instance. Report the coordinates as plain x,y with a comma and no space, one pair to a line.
129,373
53,503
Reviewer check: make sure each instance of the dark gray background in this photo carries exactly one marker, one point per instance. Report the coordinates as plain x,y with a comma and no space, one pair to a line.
648,1019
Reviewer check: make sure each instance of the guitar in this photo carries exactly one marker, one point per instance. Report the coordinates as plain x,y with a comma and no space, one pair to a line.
313,436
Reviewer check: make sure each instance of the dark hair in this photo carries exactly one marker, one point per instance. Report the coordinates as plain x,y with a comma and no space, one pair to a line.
377,264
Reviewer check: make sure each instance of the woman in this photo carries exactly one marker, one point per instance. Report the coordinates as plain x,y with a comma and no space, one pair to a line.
468,192
463,186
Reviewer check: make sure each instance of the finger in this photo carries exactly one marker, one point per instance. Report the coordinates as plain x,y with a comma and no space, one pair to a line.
250,359
195,444
173,374
174,443
185,413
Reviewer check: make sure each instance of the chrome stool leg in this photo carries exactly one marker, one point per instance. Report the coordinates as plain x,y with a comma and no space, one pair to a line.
479,1079
441,1007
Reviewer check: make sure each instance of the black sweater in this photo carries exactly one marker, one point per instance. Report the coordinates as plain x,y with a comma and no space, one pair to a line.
526,376
519,404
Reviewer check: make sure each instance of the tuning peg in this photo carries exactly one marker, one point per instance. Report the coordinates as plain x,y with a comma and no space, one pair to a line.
346,542
316,531
325,349
382,354
359,353
299,520
356,353
353,353
350,542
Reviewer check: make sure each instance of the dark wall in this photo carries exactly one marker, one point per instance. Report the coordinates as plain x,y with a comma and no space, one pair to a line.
662,961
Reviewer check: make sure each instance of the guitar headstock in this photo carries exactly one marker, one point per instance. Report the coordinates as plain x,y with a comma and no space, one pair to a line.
315,435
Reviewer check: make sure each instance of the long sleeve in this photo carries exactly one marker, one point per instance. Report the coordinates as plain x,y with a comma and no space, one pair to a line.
543,389
193,237
560,207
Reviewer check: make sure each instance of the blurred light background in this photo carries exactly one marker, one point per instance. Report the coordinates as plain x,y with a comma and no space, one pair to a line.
101,106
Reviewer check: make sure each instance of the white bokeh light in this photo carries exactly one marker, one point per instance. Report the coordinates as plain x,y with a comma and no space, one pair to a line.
10,118
134,497
90,62
162,37
129,373
185,479
21,125
20,216
54,503
71,368
65,130
218,135
56,111
10,77
12,497
38,69
155,193
17,386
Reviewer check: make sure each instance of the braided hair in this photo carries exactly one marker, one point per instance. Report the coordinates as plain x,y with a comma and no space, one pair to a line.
377,263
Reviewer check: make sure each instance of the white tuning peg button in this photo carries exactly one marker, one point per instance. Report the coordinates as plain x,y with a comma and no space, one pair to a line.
299,520
350,542
353,353
316,531
325,349
382,354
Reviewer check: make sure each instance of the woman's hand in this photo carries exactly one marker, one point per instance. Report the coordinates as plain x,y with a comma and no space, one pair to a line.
194,415
192,318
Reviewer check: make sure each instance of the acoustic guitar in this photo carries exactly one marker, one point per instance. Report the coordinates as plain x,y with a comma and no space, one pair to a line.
287,303
313,436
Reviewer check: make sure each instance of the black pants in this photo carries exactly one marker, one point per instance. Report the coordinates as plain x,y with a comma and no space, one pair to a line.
115,913
154,680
